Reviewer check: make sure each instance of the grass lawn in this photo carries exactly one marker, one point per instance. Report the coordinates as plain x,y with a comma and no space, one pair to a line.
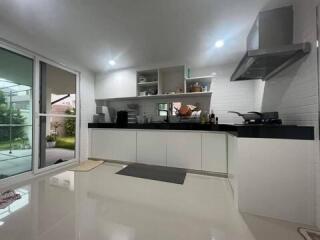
65,142
62,142
5,145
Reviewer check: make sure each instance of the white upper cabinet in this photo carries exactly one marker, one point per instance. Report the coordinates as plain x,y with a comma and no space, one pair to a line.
214,152
151,147
116,84
184,150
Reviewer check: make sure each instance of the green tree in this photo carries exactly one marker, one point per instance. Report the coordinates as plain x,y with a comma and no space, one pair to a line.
17,118
70,123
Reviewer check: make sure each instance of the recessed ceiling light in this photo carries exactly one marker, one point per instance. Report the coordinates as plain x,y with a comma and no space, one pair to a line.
1,223
219,44
112,62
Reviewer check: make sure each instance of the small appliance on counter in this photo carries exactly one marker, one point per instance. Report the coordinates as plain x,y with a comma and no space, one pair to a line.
102,115
264,118
122,118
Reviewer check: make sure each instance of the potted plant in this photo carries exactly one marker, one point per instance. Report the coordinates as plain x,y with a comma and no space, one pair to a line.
51,141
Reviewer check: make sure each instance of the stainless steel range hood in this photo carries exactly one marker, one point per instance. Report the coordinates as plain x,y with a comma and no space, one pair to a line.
270,47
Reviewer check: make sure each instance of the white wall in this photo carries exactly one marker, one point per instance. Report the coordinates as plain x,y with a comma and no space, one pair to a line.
227,96
22,38
294,92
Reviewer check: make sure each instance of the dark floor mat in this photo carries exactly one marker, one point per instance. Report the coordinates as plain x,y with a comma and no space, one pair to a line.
164,174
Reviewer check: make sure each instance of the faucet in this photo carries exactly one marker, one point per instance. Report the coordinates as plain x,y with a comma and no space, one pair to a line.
167,120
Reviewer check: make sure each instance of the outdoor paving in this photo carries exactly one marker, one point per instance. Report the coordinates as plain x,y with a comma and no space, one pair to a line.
20,161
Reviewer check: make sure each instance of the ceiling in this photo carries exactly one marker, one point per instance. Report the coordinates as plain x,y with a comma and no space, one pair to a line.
137,33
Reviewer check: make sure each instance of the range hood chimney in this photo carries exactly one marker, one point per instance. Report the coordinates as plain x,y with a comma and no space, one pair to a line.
270,47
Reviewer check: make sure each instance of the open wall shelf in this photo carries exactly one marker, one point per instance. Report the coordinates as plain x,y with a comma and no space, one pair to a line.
147,82
167,81
204,82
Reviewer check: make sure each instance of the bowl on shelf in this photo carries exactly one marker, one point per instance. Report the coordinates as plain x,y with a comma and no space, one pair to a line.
196,89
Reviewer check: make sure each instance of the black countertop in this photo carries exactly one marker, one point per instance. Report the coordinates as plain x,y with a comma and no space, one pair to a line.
242,131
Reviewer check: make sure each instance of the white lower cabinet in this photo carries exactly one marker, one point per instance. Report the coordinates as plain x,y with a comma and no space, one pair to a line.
114,144
184,150
214,152
101,144
232,159
151,147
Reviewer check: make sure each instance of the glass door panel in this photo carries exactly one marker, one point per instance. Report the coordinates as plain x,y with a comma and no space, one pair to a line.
60,144
57,90
16,117
57,118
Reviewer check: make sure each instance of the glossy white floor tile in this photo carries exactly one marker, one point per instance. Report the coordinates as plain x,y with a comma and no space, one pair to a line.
102,205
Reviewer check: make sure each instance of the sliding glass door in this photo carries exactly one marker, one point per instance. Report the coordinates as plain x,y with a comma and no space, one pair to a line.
16,115
39,119
57,116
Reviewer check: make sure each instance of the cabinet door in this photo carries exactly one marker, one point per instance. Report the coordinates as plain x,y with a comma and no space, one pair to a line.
214,152
114,144
124,145
232,159
101,144
151,147
184,150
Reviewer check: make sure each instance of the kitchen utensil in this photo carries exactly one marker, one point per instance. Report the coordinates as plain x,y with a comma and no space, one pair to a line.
196,87
267,115
260,117
247,116
142,79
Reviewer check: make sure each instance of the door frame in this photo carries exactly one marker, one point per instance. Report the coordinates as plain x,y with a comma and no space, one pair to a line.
36,169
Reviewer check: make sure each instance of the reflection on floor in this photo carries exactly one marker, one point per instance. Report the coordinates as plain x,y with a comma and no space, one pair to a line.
103,205
20,161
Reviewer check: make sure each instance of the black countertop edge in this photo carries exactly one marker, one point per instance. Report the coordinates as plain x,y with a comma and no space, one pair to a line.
169,126
241,131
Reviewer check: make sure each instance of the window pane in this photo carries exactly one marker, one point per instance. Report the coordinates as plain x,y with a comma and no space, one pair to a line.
163,106
163,113
57,140
57,89
16,77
